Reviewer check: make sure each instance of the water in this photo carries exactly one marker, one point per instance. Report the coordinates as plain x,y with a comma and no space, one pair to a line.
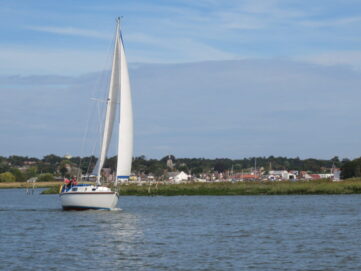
182,233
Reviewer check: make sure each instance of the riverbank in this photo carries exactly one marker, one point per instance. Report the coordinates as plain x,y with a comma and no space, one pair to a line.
351,186
30,185
246,188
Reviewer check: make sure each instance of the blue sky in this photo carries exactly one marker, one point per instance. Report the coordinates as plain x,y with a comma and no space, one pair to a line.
273,77
322,32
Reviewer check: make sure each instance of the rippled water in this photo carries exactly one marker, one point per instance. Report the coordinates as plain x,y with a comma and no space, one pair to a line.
182,233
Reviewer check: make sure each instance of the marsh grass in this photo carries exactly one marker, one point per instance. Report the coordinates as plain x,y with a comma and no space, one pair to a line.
25,184
350,186
247,188
51,190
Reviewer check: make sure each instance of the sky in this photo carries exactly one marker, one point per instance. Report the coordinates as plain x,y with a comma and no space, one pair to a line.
209,78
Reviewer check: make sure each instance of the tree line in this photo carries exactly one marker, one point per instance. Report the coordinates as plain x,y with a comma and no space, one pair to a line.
21,168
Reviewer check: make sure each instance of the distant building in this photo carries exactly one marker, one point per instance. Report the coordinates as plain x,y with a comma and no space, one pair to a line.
245,176
315,176
326,176
177,177
170,163
305,175
107,174
133,178
277,172
29,163
336,175
294,172
150,178
318,176
68,156
282,174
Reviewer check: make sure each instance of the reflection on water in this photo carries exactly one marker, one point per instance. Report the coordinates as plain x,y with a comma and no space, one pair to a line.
122,236
182,233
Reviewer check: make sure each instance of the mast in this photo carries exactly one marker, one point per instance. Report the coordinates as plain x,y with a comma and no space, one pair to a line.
255,166
125,140
113,96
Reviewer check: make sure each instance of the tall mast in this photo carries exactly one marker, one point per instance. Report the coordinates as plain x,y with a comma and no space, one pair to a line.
113,96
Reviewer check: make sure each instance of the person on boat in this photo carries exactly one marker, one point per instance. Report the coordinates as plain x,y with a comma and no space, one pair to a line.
74,181
66,181
67,184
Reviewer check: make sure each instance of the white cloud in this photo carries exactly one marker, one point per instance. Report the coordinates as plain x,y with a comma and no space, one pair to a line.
331,58
73,31
215,101
27,60
333,22
185,31
234,20
173,49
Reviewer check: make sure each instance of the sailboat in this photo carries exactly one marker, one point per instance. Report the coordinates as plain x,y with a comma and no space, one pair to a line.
86,196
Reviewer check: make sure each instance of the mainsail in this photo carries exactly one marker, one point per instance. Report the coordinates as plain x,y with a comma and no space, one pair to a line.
119,88
125,143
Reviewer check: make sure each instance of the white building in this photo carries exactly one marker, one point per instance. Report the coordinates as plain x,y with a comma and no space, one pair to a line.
283,174
177,177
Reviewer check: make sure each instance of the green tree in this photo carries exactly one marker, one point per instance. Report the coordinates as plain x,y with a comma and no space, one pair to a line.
19,176
111,163
31,172
52,159
158,172
46,167
7,177
16,160
86,164
4,167
63,168
46,177
197,170
357,170
183,167
220,166
351,169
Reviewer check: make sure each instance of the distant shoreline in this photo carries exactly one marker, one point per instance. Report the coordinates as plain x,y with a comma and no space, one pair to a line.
321,187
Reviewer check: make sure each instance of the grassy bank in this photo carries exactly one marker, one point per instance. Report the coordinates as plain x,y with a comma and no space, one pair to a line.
351,186
29,185
247,188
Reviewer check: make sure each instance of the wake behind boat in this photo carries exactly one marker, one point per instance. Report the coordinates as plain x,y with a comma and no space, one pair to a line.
86,196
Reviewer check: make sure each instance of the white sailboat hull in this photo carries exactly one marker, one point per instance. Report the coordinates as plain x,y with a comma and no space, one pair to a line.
74,200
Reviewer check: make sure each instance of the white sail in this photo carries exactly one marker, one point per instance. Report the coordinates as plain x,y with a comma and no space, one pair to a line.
86,196
125,143
112,101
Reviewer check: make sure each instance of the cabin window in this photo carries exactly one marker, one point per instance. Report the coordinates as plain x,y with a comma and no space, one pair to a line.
94,189
75,189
